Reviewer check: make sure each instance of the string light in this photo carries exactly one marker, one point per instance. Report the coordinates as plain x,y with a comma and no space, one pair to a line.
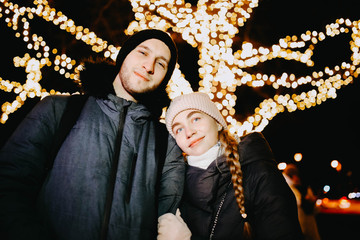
210,27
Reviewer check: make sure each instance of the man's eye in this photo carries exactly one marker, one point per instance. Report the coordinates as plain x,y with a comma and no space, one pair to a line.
162,63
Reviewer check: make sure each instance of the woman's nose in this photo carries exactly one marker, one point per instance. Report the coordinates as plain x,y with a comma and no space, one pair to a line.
190,132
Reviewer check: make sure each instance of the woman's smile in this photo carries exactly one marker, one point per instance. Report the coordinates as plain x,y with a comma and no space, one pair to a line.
195,142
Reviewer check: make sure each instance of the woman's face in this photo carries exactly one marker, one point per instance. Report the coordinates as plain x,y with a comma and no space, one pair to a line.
195,132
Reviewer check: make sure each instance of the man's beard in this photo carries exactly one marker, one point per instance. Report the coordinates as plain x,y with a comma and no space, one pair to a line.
129,86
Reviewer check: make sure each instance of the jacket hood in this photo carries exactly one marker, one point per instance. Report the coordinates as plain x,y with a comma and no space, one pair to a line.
254,147
97,77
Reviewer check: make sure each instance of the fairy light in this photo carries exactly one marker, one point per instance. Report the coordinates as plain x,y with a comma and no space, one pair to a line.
17,18
210,27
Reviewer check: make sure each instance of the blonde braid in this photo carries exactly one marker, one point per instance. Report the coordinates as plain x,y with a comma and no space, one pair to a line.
231,153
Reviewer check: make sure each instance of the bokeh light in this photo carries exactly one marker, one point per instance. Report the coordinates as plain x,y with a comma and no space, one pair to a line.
210,27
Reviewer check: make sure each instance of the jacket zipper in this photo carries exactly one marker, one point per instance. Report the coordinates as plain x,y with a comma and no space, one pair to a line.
218,212
112,178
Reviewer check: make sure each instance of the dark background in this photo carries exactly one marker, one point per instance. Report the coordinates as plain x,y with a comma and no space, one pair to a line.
323,133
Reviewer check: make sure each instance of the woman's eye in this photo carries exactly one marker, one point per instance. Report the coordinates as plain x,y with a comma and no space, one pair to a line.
196,119
177,131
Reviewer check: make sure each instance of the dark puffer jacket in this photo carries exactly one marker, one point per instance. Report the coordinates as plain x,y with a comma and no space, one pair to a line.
70,203
270,204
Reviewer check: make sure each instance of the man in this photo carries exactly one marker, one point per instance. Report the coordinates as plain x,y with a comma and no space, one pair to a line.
305,200
104,180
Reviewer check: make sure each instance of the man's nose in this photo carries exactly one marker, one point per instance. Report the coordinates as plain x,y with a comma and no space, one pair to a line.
149,65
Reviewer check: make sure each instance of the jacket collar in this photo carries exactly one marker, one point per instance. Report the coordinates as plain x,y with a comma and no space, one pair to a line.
203,187
113,104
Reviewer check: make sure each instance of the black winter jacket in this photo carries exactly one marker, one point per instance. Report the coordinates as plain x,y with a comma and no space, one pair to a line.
70,203
270,204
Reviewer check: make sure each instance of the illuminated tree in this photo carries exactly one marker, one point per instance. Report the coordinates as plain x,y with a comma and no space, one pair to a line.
209,26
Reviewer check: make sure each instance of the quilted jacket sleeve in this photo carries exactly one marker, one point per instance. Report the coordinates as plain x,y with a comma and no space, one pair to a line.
272,210
22,172
172,179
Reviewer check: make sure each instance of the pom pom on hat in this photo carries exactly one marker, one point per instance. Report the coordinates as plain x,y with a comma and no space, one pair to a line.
196,100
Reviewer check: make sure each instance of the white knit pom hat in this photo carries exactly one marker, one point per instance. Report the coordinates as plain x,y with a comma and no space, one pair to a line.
196,100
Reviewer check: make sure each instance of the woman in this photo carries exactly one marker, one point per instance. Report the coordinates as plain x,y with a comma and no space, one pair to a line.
230,186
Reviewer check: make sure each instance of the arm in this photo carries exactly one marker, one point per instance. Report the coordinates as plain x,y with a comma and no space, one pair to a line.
22,172
172,179
272,206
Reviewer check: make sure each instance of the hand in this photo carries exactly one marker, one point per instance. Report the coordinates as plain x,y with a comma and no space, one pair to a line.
172,227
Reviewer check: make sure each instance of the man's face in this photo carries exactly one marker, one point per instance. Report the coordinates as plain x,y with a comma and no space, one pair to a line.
145,67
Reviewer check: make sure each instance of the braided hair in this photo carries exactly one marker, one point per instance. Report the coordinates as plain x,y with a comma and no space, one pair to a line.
230,146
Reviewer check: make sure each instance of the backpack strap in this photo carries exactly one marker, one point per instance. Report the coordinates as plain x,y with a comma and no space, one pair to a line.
71,113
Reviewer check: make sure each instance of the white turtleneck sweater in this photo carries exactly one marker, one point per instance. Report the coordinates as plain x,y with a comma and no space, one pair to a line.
204,160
